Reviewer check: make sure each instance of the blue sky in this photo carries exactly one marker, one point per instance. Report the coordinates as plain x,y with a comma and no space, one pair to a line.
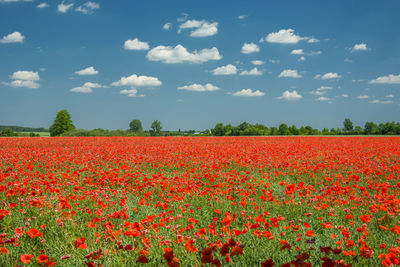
192,64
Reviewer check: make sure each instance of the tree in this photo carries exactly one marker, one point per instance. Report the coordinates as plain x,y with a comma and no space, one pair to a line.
155,128
283,129
218,130
62,123
136,126
348,125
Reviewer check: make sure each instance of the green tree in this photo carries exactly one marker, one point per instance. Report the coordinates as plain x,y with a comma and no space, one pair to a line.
283,129
155,128
62,123
136,126
219,130
348,125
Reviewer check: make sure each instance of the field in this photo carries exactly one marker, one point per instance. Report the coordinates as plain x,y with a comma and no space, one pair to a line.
200,201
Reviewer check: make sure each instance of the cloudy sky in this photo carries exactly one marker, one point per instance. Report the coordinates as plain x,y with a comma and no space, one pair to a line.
192,64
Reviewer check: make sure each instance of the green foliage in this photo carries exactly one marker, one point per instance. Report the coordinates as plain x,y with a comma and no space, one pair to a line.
62,123
7,133
155,128
348,125
135,126
23,129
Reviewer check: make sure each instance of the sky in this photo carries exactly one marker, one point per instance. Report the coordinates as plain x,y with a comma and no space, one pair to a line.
192,64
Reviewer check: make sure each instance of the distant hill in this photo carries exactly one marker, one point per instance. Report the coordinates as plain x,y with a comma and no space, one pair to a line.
23,129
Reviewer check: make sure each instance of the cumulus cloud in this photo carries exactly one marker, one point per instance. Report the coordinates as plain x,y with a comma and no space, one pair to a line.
249,48
86,88
42,5
312,40
131,93
321,90
248,92
199,88
64,8
283,37
88,7
15,37
290,96
138,81
363,97
179,54
167,26
301,58
327,76
24,78
322,98
242,16
383,102
345,95
252,72
257,62
201,28
274,61
389,79
389,96
289,74
359,47
87,71
297,52
135,44
225,70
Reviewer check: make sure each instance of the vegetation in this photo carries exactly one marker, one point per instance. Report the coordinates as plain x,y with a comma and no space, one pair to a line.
246,129
62,123
136,126
155,128
23,129
7,132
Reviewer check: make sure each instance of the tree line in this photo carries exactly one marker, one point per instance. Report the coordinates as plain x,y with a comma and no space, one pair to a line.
63,126
246,129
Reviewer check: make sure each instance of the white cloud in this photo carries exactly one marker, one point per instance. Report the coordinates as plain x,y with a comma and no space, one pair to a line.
362,97
314,53
202,28
15,37
248,92
138,81
249,48
322,98
131,93
88,7
297,52
312,40
389,79
135,44
179,54
199,88
383,102
225,70
167,26
86,88
290,95
274,61
24,78
87,71
252,72
289,74
257,62
345,95
242,17
321,90
389,96
64,8
360,47
347,60
327,76
42,5
283,37
301,58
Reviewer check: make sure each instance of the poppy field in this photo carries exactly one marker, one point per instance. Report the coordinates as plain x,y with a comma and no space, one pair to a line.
200,201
